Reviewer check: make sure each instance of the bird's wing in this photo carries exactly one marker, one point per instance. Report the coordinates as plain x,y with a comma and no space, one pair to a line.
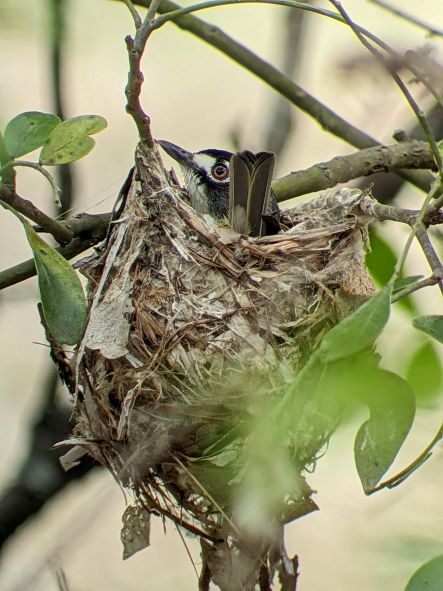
249,186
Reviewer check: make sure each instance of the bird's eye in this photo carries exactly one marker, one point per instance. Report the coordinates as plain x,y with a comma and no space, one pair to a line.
220,171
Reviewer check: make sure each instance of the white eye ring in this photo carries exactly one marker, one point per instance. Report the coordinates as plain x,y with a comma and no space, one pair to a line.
220,171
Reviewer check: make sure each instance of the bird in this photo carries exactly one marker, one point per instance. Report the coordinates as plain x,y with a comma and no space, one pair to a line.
228,186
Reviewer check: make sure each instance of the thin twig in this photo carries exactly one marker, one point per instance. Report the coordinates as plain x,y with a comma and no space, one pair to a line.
136,47
41,170
181,11
134,13
427,71
413,466
418,112
408,17
430,254
152,12
132,91
428,282
415,226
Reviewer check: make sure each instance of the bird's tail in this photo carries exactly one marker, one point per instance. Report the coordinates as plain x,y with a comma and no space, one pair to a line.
249,189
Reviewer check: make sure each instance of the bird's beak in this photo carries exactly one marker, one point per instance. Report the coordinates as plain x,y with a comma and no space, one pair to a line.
183,157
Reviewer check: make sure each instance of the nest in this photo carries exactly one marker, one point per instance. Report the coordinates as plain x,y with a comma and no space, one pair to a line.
191,326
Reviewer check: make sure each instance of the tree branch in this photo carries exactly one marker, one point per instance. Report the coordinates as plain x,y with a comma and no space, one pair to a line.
90,230
61,233
413,154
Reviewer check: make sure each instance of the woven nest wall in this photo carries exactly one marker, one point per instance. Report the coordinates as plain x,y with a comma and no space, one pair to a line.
188,321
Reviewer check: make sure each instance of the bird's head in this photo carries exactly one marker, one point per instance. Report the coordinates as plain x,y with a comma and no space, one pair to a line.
206,177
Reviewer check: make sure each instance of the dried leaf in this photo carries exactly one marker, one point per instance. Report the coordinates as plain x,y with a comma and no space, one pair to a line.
136,530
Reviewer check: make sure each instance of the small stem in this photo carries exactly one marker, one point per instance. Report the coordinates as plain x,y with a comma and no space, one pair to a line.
436,187
174,14
41,170
430,254
134,13
136,47
408,17
429,281
132,91
427,71
413,466
150,17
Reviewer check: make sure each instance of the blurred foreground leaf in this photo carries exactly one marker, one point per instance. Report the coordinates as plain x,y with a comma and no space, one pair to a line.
431,325
429,577
28,131
358,330
391,404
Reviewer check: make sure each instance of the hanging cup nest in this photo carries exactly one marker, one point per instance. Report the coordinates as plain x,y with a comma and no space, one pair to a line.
192,328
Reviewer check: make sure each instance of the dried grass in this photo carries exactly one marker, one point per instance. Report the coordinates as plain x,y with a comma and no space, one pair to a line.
191,326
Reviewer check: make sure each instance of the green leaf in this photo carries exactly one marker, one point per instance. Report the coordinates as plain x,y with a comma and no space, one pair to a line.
424,372
392,407
28,131
431,325
428,577
70,140
358,330
61,292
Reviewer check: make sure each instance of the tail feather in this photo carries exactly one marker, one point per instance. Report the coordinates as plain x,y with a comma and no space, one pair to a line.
249,189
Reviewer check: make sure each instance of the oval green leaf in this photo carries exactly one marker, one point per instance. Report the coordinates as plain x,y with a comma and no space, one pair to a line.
431,325
429,577
70,140
61,291
391,403
358,330
28,131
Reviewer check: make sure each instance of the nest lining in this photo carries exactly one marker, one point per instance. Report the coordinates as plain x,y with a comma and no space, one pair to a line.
189,323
